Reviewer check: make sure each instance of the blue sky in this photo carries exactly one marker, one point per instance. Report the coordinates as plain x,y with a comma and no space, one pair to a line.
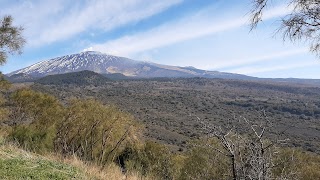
206,34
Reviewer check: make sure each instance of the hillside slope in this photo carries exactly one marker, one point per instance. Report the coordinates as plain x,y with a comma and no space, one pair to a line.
16,163
77,78
19,164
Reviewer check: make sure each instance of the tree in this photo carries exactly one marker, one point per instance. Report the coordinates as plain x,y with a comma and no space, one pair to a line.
11,39
301,24
251,155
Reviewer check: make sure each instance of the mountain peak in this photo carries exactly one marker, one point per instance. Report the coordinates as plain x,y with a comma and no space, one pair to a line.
88,60
108,64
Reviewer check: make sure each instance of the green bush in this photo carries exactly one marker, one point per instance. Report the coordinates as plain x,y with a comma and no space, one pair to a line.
150,159
205,162
39,109
36,115
86,128
33,139
292,163
102,134
93,131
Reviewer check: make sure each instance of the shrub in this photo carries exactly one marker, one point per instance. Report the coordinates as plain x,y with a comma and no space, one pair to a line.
33,139
36,116
86,128
93,131
292,163
204,162
149,159
39,109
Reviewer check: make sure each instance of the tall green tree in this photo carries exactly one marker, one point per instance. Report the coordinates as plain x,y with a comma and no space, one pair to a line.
11,39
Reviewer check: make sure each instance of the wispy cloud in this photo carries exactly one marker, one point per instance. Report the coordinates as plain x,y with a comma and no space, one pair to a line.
50,21
230,63
251,70
190,27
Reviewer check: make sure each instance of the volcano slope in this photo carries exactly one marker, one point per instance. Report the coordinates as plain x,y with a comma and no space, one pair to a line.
169,106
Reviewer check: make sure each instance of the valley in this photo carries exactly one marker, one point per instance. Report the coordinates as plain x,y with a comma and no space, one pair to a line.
169,107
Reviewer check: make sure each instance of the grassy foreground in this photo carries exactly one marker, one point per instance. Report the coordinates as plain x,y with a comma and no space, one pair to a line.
16,163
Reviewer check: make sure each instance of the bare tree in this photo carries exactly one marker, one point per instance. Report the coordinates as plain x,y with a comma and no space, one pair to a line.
251,154
301,24
11,39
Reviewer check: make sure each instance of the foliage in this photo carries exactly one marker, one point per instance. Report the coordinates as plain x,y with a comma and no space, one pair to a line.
205,163
81,78
296,164
41,109
32,138
251,155
16,163
152,158
35,116
103,134
93,132
164,105
302,23
11,40
85,128
4,86
158,160
4,112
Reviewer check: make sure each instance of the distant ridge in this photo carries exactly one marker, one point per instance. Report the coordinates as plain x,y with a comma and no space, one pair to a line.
20,77
119,68
77,78
116,76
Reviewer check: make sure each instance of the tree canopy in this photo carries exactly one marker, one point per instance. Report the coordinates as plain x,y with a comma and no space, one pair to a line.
11,39
301,24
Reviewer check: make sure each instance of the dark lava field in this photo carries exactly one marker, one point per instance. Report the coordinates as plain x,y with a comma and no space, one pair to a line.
169,108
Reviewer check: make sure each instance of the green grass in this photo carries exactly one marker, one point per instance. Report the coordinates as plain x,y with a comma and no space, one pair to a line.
19,164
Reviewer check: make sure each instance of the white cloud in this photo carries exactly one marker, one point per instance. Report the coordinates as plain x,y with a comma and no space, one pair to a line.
250,70
49,21
249,60
164,35
193,26
34,16
87,49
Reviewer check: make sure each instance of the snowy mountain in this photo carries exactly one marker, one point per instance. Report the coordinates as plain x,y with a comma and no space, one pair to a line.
108,64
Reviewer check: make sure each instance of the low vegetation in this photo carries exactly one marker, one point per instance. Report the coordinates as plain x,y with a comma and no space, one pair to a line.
164,105
76,78
85,139
16,163
19,164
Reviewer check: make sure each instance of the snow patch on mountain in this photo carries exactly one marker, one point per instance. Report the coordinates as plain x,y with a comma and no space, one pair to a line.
106,64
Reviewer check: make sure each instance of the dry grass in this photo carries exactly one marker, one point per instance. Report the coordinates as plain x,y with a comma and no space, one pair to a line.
22,164
112,171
